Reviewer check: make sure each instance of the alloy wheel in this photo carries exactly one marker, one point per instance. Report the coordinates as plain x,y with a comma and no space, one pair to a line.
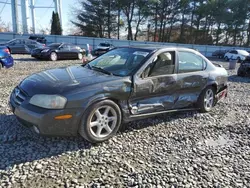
209,99
103,121
80,56
53,56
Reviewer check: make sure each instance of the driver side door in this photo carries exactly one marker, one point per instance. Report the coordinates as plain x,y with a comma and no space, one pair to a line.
63,51
154,89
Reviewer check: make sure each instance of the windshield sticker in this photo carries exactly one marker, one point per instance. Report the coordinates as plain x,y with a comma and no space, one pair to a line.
141,53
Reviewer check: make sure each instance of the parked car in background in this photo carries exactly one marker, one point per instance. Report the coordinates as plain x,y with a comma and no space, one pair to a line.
22,46
122,85
87,53
57,51
38,38
219,53
244,69
239,55
6,59
103,48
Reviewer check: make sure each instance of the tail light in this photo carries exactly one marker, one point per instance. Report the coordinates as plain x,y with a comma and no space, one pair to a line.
7,50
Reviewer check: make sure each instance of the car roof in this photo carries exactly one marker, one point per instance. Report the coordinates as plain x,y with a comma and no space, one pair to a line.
158,47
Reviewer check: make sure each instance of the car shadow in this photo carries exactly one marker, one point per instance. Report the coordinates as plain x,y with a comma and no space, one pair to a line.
31,59
156,120
235,78
19,144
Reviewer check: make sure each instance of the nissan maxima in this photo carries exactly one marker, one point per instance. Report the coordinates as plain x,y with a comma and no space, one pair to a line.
122,85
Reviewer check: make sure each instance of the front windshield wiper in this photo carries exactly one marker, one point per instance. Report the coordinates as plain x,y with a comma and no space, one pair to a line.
89,66
101,70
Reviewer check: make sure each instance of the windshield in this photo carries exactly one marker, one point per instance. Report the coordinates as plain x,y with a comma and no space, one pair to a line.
121,61
54,45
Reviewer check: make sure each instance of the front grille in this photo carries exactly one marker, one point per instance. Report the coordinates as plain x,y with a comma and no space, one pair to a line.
18,96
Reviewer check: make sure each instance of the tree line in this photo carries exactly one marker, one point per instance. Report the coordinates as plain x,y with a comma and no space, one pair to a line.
219,22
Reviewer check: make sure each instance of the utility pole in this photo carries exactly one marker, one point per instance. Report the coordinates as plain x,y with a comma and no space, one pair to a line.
14,10
58,9
25,15
32,10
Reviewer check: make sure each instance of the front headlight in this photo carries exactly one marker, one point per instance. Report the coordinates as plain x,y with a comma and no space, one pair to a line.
48,101
46,50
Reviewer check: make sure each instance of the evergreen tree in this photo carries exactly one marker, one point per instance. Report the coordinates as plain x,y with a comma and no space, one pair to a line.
56,28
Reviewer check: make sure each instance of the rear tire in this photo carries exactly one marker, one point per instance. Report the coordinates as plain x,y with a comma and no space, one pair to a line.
100,121
206,100
53,56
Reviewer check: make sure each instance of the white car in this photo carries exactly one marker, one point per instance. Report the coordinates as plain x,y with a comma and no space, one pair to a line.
240,55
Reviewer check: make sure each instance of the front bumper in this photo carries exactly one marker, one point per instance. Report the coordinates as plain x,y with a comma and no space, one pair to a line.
7,62
40,55
43,120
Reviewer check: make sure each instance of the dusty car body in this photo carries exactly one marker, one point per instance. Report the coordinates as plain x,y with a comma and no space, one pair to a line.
244,69
122,85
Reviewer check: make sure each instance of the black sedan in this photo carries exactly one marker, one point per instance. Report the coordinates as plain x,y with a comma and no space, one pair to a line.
57,51
244,69
22,46
122,85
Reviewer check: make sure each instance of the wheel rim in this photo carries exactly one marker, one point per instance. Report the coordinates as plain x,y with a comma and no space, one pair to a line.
80,56
53,56
103,121
209,99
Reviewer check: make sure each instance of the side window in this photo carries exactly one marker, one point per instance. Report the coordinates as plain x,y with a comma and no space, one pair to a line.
164,64
16,42
231,52
65,47
190,62
28,42
235,52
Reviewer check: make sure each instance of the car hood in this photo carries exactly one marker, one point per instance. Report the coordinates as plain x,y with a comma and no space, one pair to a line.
63,80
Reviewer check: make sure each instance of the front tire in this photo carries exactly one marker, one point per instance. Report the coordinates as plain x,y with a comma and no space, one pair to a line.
226,58
80,56
1,65
101,121
206,99
53,56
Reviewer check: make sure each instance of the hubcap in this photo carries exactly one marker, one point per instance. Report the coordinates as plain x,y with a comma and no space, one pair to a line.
103,121
53,56
80,56
209,99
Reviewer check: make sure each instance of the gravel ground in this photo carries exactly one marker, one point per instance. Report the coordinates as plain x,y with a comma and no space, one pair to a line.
172,150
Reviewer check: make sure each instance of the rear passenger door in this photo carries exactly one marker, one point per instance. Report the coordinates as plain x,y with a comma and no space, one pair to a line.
16,46
154,87
73,51
191,78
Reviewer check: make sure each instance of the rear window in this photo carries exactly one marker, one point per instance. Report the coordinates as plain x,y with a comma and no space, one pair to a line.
104,44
